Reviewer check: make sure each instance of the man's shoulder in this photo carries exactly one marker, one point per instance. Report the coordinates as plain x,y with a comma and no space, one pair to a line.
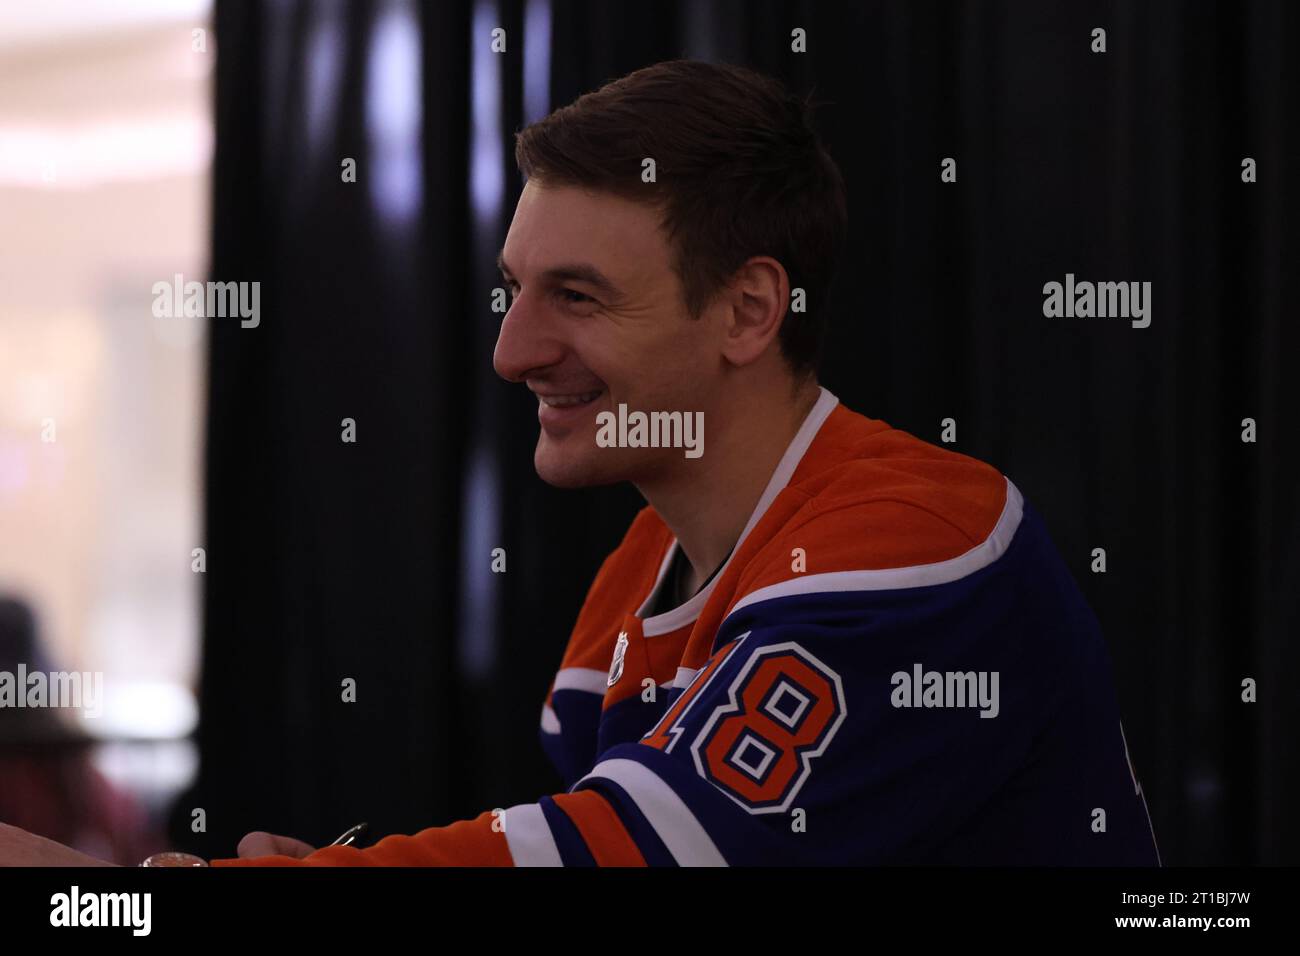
873,496
865,497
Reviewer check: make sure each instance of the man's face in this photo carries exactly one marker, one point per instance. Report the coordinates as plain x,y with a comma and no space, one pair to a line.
583,348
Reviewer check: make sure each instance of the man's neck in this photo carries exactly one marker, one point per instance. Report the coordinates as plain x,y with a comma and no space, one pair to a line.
707,504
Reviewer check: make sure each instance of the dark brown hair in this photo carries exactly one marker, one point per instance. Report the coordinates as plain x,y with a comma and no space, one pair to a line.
740,172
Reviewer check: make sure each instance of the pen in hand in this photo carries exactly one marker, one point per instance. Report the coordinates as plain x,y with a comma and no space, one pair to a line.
347,836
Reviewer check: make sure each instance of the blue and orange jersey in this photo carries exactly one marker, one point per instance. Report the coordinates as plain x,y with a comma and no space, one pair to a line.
894,666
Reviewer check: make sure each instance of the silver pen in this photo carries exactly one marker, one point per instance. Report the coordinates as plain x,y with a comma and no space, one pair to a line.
347,836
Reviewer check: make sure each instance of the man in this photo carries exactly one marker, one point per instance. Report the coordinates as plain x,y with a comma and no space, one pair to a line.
824,641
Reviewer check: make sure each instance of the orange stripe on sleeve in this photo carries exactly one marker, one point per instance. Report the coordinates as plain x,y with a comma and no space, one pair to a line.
601,829
465,843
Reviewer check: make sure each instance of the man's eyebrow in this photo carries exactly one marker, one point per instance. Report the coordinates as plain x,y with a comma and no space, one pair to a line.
572,272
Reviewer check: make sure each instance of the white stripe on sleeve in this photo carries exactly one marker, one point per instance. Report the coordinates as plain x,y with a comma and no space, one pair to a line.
683,835
582,678
529,836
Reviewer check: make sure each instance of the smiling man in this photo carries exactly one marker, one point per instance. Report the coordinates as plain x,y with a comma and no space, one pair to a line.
824,640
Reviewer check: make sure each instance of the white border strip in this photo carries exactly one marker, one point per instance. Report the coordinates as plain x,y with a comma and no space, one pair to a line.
529,836
684,677
685,838
684,614
659,580
550,720
581,678
920,575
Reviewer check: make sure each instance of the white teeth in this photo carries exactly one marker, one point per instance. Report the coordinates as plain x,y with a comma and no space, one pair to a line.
560,401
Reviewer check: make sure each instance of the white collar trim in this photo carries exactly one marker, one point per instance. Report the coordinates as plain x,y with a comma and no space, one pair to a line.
684,614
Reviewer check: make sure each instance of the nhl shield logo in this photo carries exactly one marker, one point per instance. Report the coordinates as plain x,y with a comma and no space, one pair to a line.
616,665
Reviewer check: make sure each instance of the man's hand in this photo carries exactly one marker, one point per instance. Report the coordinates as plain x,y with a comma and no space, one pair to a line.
258,843
20,848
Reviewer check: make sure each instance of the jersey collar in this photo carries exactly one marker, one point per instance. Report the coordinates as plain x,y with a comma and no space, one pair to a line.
686,613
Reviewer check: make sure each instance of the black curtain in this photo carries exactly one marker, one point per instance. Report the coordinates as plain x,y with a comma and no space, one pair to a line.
329,560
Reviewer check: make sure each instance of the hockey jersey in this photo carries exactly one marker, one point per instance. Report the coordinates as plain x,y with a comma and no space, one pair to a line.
894,666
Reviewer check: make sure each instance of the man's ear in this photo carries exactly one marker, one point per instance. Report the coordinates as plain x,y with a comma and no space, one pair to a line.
757,299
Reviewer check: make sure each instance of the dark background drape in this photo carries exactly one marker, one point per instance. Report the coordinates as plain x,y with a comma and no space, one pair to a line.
371,560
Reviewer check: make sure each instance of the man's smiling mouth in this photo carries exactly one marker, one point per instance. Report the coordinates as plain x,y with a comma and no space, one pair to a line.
571,400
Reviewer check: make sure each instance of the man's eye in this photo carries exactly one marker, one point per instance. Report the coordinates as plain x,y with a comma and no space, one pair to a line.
570,296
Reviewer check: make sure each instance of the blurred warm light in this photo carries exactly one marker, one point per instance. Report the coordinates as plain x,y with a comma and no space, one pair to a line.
155,773
144,709
45,22
107,150
50,370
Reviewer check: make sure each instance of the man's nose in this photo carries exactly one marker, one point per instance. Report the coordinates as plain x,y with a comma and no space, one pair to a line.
528,340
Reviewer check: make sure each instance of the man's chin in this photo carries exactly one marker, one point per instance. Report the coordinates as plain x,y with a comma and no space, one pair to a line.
564,471
570,481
